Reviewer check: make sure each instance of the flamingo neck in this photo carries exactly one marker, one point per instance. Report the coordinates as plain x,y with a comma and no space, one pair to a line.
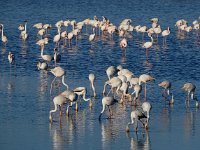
103,108
63,82
2,33
25,28
42,51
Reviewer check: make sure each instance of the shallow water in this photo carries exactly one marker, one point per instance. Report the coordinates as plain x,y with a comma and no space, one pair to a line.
25,101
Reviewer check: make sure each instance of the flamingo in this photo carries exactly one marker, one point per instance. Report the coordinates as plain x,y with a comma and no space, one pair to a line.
72,97
46,57
41,32
58,72
123,43
145,78
38,25
11,57
110,71
42,66
166,85
92,36
42,42
57,56
190,89
81,91
148,45
92,79
114,82
165,33
137,90
58,101
57,37
107,101
3,37
137,115
24,34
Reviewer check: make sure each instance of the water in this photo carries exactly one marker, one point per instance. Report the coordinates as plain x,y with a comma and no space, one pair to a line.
25,101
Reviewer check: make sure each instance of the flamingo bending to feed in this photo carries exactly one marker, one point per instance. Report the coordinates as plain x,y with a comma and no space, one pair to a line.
107,101
110,71
114,82
166,85
190,89
58,72
81,91
58,101
137,115
92,79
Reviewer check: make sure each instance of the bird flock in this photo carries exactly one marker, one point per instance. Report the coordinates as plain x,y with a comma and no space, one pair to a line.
124,87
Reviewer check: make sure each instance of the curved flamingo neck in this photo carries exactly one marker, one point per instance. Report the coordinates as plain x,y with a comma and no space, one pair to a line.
2,32
63,81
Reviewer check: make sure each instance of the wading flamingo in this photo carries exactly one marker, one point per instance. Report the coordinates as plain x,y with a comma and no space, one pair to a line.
58,72
137,115
145,78
107,101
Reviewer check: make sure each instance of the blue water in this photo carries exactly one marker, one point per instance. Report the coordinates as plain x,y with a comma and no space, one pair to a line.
25,101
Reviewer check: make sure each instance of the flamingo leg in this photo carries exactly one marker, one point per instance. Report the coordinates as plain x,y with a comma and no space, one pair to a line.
52,85
145,92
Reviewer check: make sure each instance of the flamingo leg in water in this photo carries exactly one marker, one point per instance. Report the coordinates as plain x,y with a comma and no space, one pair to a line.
52,84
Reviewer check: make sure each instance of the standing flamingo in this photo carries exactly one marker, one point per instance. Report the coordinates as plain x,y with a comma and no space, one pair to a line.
92,36
165,33
145,78
3,37
148,45
57,56
46,57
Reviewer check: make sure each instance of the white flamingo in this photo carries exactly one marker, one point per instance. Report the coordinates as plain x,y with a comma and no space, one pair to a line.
92,36
148,45
58,101
11,57
165,33
137,115
92,79
42,66
58,72
190,89
3,37
107,101
110,71
166,85
47,58
145,78
123,43
114,82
